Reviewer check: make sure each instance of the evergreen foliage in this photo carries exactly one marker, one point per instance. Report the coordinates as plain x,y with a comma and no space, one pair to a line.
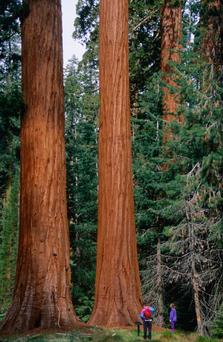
10,11
10,92
217,326
8,243
144,44
10,111
81,106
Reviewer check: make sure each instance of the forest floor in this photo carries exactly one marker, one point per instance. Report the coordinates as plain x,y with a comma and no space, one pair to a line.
109,335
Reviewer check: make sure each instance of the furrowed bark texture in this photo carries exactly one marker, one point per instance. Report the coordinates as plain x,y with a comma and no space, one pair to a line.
118,293
42,291
212,31
171,27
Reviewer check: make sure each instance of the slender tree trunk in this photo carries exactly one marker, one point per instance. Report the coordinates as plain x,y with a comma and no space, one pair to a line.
118,293
159,286
197,304
194,274
200,326
42,291
171,28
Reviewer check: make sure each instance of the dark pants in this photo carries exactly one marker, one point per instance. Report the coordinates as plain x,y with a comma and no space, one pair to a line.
147,328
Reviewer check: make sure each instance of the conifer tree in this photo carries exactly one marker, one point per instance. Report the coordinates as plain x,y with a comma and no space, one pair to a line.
118,294
171,31
42,290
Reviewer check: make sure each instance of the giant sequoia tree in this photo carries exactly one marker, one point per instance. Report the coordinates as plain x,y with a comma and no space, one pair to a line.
171,27
42,289
118,295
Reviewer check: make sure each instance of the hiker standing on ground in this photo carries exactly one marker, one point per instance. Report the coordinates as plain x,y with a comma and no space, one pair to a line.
172,317
147,318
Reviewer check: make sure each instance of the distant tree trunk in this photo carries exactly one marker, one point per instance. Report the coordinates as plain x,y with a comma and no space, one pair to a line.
212,40
42,291
159,286
171,30
212,29
118,293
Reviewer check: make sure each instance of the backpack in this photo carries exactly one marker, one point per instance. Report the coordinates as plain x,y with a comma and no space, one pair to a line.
147,313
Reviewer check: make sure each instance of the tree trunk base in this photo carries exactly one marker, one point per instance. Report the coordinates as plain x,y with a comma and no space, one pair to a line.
23,321
115,317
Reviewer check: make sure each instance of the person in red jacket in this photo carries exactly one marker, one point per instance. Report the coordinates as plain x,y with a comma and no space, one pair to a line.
147,318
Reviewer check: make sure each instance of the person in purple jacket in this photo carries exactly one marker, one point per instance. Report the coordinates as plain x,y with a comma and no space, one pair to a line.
172,317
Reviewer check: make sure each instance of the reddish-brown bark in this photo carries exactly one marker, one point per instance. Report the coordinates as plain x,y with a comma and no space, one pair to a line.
171,29
42,291
118,293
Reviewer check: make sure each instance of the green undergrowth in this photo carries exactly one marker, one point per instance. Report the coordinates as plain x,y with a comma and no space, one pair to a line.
108,335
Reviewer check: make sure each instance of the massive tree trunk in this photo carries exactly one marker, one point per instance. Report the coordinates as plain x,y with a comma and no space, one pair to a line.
118,293
171,27
42,291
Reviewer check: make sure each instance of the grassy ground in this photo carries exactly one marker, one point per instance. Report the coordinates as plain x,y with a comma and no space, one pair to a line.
108,335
